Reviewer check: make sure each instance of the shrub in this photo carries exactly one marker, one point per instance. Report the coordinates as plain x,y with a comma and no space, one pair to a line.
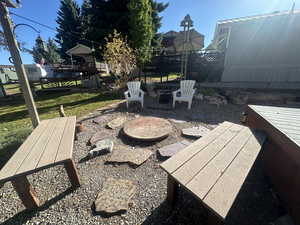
120,58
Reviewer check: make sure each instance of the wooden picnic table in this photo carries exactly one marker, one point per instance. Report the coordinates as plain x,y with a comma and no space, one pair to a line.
214,167
50,144
281,155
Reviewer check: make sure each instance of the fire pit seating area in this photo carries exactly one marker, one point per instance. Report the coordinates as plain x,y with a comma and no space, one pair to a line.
212,163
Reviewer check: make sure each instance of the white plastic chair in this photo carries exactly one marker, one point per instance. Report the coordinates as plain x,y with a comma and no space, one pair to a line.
185,93
134,93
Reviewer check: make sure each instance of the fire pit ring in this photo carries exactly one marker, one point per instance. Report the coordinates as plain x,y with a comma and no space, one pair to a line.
148,128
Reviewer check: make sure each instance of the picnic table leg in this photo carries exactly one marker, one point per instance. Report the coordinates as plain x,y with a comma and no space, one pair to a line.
172,189
26,192
72,173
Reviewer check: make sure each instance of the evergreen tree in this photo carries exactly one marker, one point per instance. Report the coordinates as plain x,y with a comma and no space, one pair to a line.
52,54
86,20
157,8
38,51
141,28
46,51
107,16
69,26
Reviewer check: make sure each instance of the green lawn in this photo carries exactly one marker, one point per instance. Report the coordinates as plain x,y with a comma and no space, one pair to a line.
15,124
156,78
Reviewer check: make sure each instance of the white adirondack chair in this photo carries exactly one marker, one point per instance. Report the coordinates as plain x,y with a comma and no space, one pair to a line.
134,93
185,93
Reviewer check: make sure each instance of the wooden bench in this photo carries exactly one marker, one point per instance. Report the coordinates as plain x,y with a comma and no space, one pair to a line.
50,144
214,167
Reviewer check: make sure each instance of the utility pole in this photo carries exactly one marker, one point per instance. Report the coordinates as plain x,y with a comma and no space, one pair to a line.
14,51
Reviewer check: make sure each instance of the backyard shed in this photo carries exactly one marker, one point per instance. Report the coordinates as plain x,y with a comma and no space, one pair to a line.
263,48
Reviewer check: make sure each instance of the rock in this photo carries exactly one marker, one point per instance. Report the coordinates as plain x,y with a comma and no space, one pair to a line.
170,150
101,147
118,122
133,156
177,121
99,136
101,119
195,131
114,196
216,100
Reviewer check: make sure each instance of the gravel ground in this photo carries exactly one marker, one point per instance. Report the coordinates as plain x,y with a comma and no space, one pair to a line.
255,203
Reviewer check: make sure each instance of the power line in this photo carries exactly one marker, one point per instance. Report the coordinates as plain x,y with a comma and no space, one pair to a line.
51,28
33,21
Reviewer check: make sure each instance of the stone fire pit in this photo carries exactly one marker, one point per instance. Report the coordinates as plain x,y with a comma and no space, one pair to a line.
148,128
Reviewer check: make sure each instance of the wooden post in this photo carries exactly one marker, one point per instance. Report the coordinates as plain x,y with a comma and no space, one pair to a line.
72,173
14,51
172,189
26,193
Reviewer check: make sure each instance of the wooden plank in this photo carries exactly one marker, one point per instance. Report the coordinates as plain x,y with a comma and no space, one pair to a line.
36,152
287,127
25,192
52,147
181,157
274,109
224,192
65,149
72,173
172,189
214,170
285,121
280,116
16,160
188,170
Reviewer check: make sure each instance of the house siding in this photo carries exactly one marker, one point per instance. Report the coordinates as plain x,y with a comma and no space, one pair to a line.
264,50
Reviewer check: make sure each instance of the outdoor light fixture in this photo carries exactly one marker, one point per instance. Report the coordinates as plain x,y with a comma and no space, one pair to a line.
186,23
39,38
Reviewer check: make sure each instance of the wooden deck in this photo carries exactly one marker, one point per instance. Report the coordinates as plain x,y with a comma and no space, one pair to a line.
281,155
285,120
50,144
214,167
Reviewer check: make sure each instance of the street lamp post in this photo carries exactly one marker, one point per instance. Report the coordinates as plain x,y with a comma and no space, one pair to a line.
186,23
14,51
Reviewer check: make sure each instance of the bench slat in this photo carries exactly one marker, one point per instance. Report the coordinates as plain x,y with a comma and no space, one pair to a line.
187,171
66,145
207,178
36,152
50,152
16,160
177,160
223,194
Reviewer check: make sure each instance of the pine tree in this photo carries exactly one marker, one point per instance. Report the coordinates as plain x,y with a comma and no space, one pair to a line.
157,8
38,51
46,51
69,26
141,28
107,16
52,54
86,20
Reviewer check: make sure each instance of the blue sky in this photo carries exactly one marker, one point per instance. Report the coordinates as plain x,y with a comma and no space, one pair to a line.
205,14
